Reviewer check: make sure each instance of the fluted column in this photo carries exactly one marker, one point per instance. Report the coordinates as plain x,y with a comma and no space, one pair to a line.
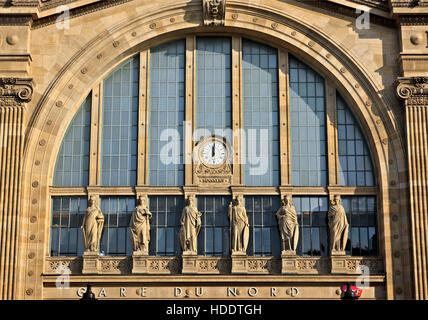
414,91
14,93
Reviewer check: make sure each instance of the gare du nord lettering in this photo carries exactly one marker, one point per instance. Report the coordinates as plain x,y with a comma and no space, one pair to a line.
177,292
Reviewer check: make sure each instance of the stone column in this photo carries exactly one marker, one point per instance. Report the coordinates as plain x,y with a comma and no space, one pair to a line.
414,91
14,93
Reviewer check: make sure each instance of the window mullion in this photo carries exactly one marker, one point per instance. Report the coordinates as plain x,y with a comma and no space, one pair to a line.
238,172
143,117
189,109
331,123
284,114
94,149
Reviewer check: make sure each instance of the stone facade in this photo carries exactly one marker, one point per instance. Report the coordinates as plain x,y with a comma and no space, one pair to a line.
48,66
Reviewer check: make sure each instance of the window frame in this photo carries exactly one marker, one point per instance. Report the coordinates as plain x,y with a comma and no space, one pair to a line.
331,91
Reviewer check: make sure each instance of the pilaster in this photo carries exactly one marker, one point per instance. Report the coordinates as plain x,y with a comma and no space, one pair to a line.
14,94
414,91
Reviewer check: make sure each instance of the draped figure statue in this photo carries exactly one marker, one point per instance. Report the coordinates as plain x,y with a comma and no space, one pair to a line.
288,225
239,227
190,226
140,226
338,225
92,226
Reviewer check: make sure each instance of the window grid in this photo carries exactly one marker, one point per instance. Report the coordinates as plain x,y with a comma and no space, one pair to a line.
213,239
166,109
165,225
306,91
307,126
66,234
312,215
362,219
213,83
260,104
355,167
116,237
119,125
72,165
264,233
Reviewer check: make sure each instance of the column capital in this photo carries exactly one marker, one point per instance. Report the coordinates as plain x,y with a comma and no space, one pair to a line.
414,90
15,91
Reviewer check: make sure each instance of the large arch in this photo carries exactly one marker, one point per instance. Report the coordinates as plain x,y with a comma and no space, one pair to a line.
98,57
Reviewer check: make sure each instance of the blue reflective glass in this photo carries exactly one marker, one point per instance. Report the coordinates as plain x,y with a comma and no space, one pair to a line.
213,83
361,212
264,234
72,164
261,117
313,225
117,213
66,218
165,225
355,165
166,114
214,237
307,126
119,125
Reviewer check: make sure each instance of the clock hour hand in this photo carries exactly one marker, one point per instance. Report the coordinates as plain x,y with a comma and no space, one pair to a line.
213,150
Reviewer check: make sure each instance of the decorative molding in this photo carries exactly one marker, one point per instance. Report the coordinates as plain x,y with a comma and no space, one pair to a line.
15,91
214,12
217,265
77,12
408,3
413,20
414,90
267,265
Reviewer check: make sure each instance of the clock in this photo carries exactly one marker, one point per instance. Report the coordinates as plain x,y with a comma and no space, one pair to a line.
213,153
212,163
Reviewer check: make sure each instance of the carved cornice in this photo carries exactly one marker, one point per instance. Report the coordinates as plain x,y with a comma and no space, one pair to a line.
413,20
414,90
214,12
12,20
15,91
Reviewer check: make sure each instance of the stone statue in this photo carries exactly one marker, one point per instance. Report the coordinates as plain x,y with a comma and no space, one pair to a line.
239,227
338,225
140,226
288,225
190,226
92,226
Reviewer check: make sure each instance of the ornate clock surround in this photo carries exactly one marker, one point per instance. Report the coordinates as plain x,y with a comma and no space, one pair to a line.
206,173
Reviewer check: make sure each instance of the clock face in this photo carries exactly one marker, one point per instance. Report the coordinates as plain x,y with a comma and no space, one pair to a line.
214,153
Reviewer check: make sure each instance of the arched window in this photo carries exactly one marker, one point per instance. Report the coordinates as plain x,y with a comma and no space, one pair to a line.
284,127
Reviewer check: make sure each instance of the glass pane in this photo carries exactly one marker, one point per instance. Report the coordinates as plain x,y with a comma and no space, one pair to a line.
166,165
213,83
260,103
165,224
71,168
117,213
119,128
353,171
307,130
214,237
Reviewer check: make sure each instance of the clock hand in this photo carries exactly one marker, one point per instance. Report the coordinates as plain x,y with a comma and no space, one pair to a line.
213,150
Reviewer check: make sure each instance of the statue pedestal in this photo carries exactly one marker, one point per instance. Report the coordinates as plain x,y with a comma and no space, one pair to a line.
90,262
239,262
289,262
139,262
189,262
338,262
